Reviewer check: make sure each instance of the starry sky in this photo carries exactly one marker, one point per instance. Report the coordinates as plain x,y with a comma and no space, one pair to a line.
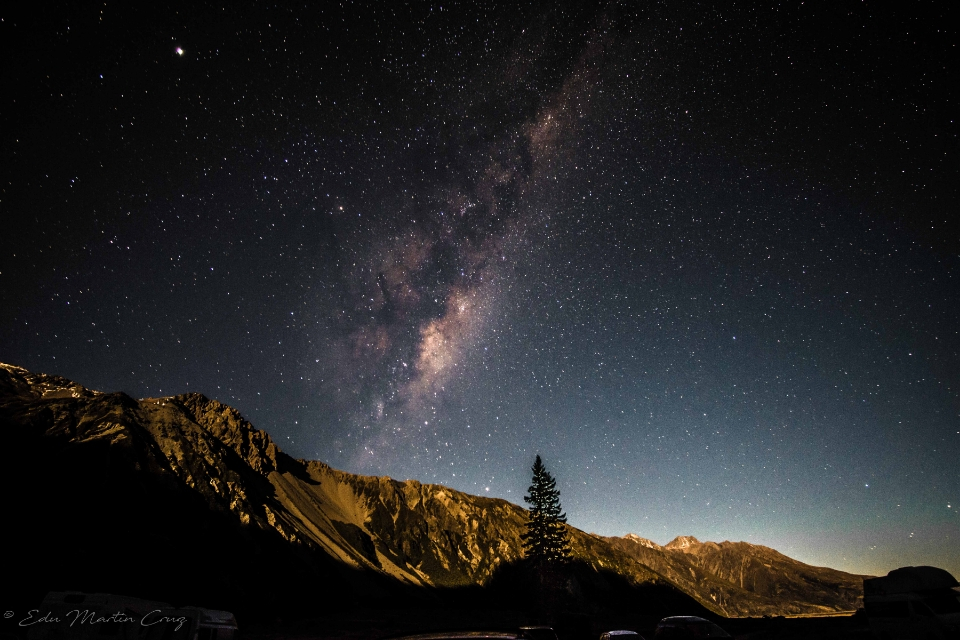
700,257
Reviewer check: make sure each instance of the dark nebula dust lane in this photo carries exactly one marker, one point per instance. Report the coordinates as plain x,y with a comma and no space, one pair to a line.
701,259
429,292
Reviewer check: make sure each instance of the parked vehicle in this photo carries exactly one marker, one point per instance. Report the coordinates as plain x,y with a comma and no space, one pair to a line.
913,602
684,627
462,635
523,633
73,615
537,633
620,634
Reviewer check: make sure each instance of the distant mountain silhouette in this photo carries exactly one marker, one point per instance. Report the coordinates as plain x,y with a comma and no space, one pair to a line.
181,499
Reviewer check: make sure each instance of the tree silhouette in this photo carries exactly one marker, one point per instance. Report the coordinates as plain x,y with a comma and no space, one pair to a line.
545,541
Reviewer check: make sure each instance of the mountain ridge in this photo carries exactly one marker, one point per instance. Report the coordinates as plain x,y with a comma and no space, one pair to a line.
399,532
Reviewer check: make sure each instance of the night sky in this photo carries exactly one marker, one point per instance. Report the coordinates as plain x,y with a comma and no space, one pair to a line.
700,257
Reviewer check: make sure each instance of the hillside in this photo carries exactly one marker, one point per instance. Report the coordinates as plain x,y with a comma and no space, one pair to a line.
182,495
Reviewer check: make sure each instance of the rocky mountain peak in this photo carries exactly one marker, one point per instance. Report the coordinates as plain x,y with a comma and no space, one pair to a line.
229,427
682,542
644,542
41,385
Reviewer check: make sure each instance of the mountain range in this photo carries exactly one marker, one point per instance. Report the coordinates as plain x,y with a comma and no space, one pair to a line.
182,495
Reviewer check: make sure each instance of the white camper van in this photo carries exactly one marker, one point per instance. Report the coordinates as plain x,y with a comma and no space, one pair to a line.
73,615
913,603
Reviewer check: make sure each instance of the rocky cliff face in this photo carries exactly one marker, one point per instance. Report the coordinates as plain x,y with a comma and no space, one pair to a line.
189,470
770,574
744,579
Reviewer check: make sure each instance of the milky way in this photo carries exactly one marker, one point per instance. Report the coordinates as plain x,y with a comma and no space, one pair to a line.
426,295
701,260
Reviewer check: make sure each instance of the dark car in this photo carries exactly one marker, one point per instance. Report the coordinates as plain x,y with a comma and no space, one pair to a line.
688,627
537,633
621,634
462,635
524,633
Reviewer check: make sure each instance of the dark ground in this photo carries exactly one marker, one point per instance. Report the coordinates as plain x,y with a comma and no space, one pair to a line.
392,623
389,622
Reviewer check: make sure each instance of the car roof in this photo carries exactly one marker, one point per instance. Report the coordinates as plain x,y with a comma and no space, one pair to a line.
670,619
461,635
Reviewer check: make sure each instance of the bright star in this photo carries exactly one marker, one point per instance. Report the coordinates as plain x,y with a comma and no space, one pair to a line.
179,51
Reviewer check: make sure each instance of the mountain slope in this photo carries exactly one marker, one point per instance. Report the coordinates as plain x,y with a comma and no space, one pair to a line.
767,572
746,579
187,483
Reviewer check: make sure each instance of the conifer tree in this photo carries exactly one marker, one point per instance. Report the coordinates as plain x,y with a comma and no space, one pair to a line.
545,542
